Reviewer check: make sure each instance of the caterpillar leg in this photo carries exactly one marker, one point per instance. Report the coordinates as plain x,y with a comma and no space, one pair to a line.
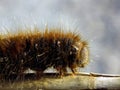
21,73
62,70
73,68
39,74
74,71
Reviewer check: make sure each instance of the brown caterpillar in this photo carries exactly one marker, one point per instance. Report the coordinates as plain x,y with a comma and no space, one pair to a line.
40,50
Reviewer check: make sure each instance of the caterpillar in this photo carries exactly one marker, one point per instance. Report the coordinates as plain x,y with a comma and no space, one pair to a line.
40,50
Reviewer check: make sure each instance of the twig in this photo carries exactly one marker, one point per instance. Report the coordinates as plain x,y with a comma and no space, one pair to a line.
52,81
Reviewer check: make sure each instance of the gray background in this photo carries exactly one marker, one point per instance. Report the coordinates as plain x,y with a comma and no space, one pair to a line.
96,20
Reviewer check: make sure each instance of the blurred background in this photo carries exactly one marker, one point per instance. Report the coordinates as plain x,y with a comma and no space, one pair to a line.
96,20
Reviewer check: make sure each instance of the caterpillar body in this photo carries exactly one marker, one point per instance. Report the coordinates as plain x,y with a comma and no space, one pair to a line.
41,50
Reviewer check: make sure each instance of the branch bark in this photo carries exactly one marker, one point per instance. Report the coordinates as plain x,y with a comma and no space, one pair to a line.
51,81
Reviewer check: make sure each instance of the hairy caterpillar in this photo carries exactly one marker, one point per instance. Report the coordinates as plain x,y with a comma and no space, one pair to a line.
39,50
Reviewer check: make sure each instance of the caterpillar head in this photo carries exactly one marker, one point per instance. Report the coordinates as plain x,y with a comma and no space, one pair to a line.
80,53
